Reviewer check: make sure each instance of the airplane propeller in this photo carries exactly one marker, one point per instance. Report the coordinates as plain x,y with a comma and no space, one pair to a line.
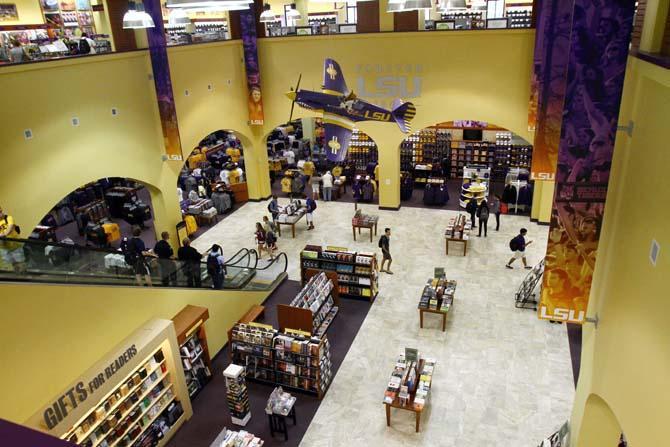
297,87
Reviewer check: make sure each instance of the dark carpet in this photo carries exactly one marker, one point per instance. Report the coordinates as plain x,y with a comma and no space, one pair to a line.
210,411
575,340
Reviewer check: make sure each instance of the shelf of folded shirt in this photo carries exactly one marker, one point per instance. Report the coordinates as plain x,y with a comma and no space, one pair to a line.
458,230
438,298
417,377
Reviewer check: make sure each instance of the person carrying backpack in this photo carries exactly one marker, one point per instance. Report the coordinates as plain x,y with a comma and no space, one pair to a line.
135,254
216,267
311,207
86,45
518,245
384,242
483,214
271,243
273,208
471,209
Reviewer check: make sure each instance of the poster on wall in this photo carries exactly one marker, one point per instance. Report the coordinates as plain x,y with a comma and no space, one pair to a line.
163,81
255,100
597,64
8,12
550,64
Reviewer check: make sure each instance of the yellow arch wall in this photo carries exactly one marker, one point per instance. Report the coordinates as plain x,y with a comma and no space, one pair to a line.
625,360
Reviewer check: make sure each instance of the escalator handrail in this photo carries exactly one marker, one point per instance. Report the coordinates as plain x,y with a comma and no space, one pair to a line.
276,259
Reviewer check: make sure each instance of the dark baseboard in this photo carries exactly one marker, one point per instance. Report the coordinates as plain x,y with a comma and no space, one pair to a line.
262,199
540,223
390,208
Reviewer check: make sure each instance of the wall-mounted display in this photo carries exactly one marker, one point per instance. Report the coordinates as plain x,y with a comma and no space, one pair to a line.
8,12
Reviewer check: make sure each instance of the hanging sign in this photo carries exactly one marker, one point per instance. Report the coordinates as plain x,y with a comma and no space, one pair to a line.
251,65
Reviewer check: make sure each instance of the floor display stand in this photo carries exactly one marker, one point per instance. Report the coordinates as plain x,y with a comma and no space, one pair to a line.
231,438
192,339
409,386
437,298
475,184
314,308
356,271
137,395
524,297
238,396
292,360
458,230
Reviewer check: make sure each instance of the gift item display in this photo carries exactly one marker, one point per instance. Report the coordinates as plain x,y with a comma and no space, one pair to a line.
230,438
438,298
475,184
458,230
313,309
361,220
291,360
356,271
237,394
197,32
409,385
279,407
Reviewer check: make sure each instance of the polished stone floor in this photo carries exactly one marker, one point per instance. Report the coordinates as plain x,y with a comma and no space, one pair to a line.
503,378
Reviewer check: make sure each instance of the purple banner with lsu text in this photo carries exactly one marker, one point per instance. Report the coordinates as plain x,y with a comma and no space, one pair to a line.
251,65
163,81
599,42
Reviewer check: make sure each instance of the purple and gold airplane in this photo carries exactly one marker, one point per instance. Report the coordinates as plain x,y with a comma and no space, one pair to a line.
341,109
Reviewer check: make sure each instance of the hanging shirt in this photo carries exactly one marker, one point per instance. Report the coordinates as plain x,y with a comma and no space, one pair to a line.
290,157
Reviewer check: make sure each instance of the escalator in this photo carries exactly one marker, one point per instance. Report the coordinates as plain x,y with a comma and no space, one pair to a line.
57,263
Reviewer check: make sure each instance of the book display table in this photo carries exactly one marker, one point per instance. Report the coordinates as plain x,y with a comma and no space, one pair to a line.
290,217
458,230
409,386
361,220
437,298
281,405
231,438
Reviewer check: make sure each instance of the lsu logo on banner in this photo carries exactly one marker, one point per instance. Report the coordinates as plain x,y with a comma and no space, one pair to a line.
567,315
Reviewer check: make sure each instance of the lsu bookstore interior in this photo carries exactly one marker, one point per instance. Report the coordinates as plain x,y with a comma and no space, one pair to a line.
437,248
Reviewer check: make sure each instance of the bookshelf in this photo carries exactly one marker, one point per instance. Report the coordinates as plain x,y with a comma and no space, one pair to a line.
291,359
314,308
193,348
237,394
356,271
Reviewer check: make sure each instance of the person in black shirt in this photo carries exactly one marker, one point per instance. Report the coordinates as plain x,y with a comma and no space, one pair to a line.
471,208
191,259
518,246
141,264
384,242
165,253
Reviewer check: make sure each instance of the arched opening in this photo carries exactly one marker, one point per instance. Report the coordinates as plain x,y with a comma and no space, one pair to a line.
212,183
599,425
450,163
100,214
298,162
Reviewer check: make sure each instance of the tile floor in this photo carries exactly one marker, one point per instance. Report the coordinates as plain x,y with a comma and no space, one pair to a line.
503,377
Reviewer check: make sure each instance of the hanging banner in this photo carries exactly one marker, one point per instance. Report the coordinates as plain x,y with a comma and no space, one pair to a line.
552,43
248,32
162,81
597,64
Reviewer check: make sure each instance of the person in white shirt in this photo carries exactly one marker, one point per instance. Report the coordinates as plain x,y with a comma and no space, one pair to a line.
290,157
327,181
224,176
240,173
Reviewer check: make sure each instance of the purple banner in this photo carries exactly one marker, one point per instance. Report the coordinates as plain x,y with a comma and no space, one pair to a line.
15,435
162,81
248,32
597,64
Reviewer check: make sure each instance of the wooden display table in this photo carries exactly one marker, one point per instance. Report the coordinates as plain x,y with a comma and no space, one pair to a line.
437,298
361,220
411,401
291,221
458,230
240,192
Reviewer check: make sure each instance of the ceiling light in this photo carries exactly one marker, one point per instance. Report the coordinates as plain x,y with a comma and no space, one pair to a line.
395,7
218,5
136,18
267,15
478,4
293,13
178,17
452,5
412,5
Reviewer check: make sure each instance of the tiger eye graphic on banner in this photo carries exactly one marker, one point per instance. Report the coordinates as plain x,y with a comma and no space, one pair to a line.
596,68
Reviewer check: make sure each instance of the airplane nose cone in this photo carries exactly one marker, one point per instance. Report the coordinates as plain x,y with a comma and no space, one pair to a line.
291,95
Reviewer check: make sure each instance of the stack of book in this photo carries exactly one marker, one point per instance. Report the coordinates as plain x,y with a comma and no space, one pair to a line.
438,294
425,380
230,438
237,394
458,227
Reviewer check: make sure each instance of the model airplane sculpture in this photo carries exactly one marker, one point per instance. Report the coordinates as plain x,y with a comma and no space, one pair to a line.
341,109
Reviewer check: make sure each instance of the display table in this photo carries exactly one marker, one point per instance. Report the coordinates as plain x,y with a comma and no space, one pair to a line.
280,406
437,298
290,220
229,438
408,387
361,220
458,230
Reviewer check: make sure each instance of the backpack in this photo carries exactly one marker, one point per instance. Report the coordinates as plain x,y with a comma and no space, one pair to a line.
213,266
129,253
381,244
84,46
312,205
484,213
514,244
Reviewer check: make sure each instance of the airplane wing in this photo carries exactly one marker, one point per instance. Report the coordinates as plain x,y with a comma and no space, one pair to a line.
338,132
333,79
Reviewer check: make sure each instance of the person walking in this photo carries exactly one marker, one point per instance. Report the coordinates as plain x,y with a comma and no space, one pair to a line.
327,181
216,266
268,225
471,208
11,252
165,254
518,246
273,208
191,259
310,203
271,243
483,214
315,180
260,239
494,208
137,253
384,242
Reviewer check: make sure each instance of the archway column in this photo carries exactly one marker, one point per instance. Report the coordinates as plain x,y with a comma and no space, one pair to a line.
256,165
388,142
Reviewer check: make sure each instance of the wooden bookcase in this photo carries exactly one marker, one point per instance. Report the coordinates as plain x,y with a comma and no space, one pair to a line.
280,358
356,271
189,325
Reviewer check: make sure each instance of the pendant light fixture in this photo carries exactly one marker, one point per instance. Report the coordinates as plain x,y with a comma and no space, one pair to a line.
293,13
178,16
415,5
478,4
210,5
267,15
396,7
454,5
136,17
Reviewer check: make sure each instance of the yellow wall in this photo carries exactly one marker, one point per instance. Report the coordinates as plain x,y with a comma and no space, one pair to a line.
625,361
29,11
54,333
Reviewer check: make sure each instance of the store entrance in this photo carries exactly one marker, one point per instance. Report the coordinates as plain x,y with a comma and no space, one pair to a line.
448,164
298,164
212,183
100,214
